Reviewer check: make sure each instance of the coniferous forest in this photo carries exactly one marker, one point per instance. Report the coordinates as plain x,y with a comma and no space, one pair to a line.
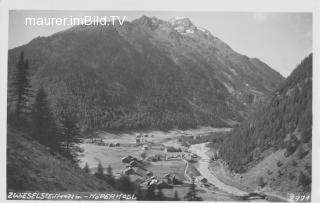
285,122
33,113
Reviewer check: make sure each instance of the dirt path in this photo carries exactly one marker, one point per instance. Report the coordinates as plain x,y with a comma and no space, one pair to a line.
200,150
186,169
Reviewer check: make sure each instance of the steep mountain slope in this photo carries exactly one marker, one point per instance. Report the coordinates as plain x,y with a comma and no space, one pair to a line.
275,143
31,167
192,47
147,73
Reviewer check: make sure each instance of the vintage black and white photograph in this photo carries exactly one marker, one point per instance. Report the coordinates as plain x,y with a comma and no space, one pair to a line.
159,105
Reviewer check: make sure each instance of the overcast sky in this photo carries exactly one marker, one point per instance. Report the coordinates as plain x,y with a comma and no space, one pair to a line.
281,40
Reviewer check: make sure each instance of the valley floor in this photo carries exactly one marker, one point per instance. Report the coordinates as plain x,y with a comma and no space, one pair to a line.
216,189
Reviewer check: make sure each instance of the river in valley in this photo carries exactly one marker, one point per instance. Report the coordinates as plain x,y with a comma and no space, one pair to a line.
106,155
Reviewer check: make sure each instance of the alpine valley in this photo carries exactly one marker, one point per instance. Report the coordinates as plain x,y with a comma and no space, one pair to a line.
163,110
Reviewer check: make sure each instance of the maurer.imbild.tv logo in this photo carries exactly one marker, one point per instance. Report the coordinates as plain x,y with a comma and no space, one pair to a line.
72,21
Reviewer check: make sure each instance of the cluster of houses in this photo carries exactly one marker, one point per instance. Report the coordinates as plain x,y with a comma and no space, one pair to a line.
132,161
146,178
142,138
167,181
99,141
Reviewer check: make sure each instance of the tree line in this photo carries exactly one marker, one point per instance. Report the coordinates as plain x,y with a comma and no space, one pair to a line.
30,111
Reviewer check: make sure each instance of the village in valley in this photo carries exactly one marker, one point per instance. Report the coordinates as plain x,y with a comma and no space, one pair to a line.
156,158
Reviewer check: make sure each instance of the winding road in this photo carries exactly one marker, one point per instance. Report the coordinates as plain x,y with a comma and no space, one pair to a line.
203,168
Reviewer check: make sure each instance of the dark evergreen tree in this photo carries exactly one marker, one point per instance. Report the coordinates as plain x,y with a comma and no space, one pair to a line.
151,193
86,168
109,170
139,193
176,196
124,184
100,171
43,125
20,90
160,196
110,178
70,138
305,180
261,182
192,194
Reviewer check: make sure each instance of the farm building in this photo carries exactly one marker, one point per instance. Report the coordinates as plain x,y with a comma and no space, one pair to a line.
152,182
145,147
142,138
153,177
127,159
201,179
161,184
97,141
134,163
194,155
128,171
142,173
149,173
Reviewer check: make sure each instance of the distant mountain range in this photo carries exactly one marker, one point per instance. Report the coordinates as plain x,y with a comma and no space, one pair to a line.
147,73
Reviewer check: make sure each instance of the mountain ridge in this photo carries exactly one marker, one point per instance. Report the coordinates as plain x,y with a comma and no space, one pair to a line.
280,132
146,60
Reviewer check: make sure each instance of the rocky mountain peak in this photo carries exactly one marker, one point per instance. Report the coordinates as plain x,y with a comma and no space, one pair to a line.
180,20
151,22
183,24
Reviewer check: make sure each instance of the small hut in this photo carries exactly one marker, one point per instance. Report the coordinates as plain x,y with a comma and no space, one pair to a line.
153,182
167,177
145,147
128,171
163,185
133,163
149,173
127,159
202,179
